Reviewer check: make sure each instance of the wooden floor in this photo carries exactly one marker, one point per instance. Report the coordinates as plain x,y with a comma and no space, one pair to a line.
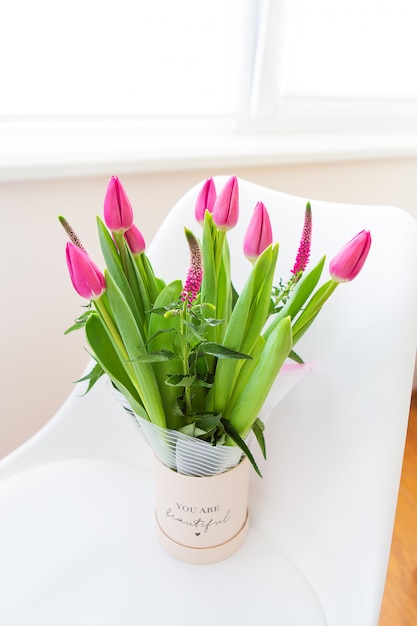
399,607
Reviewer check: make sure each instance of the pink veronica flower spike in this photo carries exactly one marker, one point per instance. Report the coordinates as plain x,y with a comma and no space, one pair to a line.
195,273
303,253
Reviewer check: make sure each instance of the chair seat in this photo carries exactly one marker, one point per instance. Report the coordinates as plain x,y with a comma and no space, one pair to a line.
78,546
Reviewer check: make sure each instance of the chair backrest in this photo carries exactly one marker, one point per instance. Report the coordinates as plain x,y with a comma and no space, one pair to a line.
335,443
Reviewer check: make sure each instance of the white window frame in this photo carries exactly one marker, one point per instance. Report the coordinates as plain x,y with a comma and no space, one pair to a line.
270,109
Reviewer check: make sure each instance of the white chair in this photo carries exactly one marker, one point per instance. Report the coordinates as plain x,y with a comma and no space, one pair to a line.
77,542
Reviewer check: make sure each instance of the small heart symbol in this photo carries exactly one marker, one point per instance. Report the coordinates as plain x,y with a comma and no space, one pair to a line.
197,534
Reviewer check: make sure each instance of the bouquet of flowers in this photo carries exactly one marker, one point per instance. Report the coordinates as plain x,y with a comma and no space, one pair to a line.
193,361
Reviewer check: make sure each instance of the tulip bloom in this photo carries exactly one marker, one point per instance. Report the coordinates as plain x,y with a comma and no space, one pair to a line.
205,200
86,277
118,213
226,206
347,264
135,240
259,233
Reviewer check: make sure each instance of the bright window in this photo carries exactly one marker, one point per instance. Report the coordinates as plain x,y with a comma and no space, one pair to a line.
346,61
254,62
132,57
354,49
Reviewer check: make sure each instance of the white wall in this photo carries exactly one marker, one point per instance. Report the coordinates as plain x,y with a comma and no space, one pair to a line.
38,363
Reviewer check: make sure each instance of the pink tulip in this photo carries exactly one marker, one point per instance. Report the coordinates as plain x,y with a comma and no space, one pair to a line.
135,240
259,233
118,213
86,277
347,263
226,206
205,200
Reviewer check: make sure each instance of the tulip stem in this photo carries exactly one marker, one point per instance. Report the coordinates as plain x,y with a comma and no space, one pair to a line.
221,236
186,369
112,328
120,242
109,322
313,308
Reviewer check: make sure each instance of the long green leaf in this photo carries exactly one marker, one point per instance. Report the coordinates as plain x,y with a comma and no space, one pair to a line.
298,297
157,356
155,285
209,283
145,381
92,377
209,290
313,308
224,292
163,331
248,405
258,430
237,440
244,374
109,359
114,268
245,326
221,352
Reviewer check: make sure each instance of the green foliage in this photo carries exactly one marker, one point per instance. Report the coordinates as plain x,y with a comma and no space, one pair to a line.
203,368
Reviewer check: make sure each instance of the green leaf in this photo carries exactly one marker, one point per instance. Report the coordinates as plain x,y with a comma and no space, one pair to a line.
303,290
76,326
258,430
137,284
80,322
180,380
105,353
155,285
158,356
249,403
158,323
244,375
208,421
203,425
200,365
294,356
298,296
237,439
163,332
114,268
200,382
224,291
92,377
245,326
192,430
221,352
142,373
209,283
161,310
313,308
212,321
195,331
